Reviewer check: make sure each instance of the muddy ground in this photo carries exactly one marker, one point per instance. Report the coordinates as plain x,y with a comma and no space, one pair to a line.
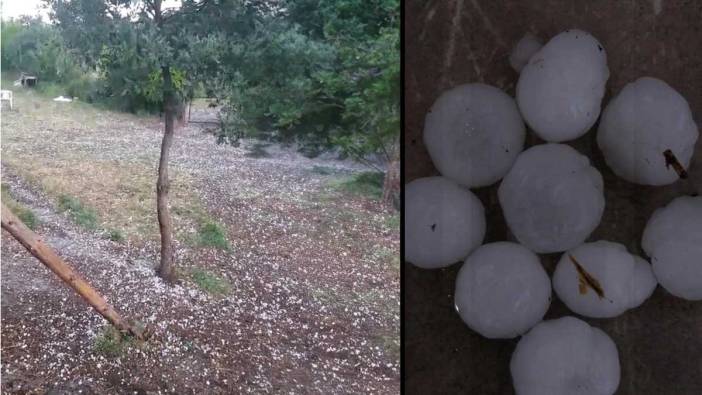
312,272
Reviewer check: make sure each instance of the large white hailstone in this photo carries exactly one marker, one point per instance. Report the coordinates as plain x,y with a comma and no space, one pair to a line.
560,90
502,290
620,280
644,120
565,356
522,52
673,240
444,222
552,198
473,134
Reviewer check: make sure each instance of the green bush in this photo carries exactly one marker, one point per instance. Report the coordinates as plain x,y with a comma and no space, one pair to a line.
85,88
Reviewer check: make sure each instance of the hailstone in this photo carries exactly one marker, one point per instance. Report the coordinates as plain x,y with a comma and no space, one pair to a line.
560,90
602,279
646,119
444,222
565,356
502,290
673,240
552,198
473,134
522,52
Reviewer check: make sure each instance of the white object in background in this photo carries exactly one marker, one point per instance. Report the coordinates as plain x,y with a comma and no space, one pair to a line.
523,51
502,290
7,96
63,99
552,198
673,240
624,279
565,356
473,133
444,222
644,120
561,87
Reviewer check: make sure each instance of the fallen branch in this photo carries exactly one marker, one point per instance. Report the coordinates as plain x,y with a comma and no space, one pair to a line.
33,243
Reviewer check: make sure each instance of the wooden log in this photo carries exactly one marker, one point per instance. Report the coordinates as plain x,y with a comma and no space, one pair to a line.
36,246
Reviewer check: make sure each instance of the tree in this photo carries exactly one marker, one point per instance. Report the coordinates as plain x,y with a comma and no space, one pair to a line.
325,73
164,41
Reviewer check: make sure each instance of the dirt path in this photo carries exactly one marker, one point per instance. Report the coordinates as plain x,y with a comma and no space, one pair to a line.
313,301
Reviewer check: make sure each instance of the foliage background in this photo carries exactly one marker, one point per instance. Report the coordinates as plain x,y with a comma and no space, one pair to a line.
321,73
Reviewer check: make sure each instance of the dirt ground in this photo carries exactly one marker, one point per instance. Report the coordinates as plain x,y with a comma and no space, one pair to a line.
460,41
312,271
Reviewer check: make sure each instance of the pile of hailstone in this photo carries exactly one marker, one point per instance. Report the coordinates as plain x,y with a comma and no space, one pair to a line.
552,200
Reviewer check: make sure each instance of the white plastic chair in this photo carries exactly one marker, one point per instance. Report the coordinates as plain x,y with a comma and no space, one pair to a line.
6,95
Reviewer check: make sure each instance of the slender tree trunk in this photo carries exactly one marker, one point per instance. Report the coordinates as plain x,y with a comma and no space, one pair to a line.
391,184
166,269
33,243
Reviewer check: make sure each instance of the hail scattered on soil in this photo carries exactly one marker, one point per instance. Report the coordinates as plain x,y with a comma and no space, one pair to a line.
313,304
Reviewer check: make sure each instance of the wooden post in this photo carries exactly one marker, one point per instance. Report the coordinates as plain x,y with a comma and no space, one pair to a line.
33,243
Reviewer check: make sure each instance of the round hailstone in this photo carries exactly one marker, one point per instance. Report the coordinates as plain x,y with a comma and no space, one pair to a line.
552,198
565,356
618,280
643,121
560,90
473,133
502,290
673,240
522,52
443,222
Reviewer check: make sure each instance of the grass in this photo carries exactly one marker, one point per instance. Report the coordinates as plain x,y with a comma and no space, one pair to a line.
393,222
51,89
115,235
81,214
390,344
368,184
111,343
210,283
385,256
22,212
212,234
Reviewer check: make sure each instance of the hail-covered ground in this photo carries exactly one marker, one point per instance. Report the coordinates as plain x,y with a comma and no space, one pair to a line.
306,295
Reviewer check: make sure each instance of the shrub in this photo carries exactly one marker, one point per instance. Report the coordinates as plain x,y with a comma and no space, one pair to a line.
85,88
